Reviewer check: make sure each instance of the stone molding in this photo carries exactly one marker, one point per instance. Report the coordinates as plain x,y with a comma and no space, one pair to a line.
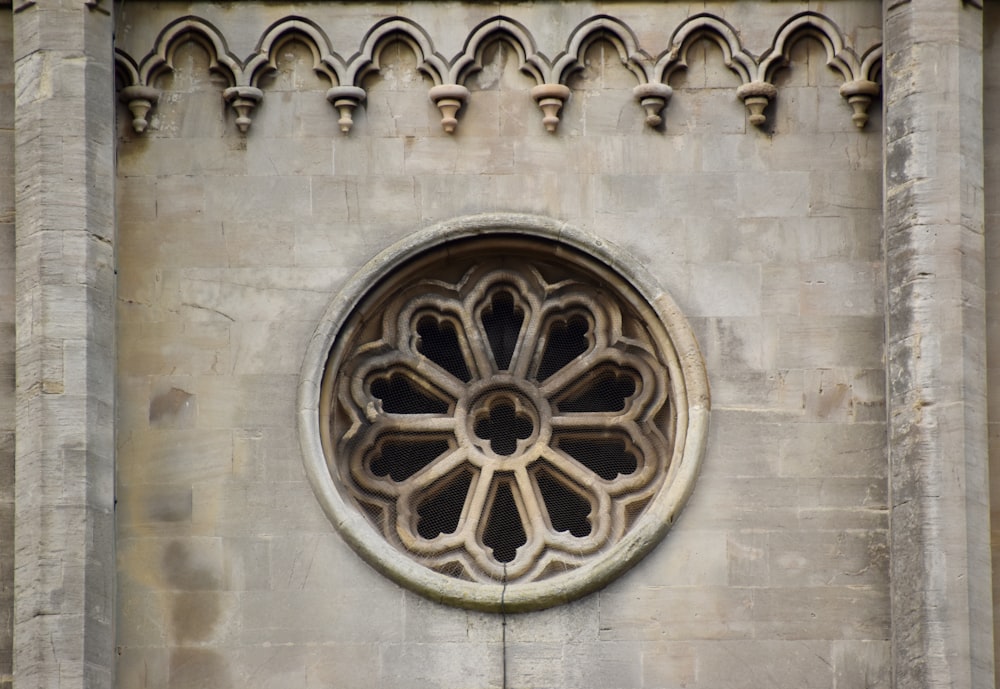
689,392
861,71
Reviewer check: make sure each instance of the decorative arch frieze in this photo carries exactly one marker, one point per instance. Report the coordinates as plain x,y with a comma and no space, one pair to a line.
651,93
861,71
342,94
858,89
754,93
548,92
138,97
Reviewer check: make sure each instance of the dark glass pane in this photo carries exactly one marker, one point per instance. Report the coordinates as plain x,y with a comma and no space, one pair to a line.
440,512
603,390
439,343
400,395
504,533
401,459
567,510
503,428
565,341
606,457
502,322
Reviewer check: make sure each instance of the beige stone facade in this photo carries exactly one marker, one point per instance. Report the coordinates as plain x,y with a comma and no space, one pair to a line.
192,193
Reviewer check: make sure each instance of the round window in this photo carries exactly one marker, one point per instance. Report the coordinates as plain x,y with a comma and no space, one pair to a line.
503,413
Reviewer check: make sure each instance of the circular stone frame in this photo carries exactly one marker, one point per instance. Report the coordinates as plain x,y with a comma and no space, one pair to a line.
689,393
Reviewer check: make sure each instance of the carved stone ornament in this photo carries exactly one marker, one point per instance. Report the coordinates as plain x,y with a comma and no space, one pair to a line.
139,100
503,412
243,99
653,98
345,99
449,98
550,98
859,94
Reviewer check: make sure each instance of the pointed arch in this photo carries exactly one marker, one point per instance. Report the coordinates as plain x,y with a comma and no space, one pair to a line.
382,34
298,29
715,30
126,70
816,26
196,30
508,31
871,63
597,28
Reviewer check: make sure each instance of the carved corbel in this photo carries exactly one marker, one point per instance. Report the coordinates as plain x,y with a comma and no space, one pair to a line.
859,94
757,95
449,98
550,98
243,99
139,100
345,99
653,98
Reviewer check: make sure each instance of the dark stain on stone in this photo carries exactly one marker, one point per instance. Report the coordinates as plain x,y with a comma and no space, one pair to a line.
197,668
193,615
170,505
173,409
184,572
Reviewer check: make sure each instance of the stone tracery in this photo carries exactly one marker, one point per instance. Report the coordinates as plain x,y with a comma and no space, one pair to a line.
860,70
505,383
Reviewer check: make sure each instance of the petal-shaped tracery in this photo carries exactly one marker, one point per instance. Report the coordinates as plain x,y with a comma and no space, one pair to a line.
508,425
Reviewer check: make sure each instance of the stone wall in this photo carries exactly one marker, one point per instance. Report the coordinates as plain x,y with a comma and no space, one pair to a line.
991,89
6,349
231,245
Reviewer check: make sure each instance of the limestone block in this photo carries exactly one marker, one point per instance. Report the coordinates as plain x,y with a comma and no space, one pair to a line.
778,390
605,663
194,241
774,194
345,617
428,666
725,289
743,240
143,667
208,155
776,503
677,613
731,344
573,197
862,663
836,341
249,401
736,664
292,158
199,668
789,613
173,348
246,564
536,665
252,199
688,557
573,623
174,456
834,449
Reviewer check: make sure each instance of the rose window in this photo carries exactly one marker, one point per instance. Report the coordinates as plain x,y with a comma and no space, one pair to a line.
505,416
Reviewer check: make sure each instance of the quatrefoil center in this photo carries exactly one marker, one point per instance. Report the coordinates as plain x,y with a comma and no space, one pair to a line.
502,421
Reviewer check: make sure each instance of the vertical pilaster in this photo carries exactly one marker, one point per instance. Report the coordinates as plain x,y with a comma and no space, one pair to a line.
936,345
64,268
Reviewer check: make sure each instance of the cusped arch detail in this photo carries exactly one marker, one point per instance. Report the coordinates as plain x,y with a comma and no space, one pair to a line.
615,32
391,29
191,29
510,32
301,30
816,26
714,29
